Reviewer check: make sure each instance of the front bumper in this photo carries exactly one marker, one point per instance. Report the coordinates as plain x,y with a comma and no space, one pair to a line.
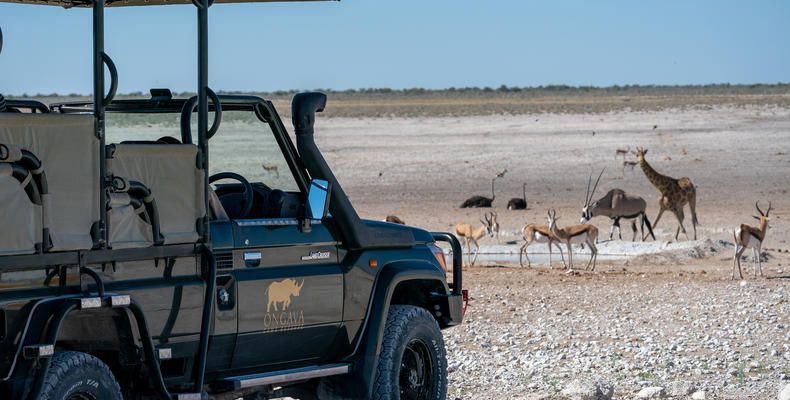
458,298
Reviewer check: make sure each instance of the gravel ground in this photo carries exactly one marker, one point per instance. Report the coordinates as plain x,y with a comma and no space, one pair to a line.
530,333
656,320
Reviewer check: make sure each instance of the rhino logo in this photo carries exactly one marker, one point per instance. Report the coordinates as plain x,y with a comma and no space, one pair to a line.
281,292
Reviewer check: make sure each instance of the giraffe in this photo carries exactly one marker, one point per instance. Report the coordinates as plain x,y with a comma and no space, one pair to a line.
675,193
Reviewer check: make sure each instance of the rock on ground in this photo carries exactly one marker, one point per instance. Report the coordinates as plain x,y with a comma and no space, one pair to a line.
785,393
680,388
588,390
652,393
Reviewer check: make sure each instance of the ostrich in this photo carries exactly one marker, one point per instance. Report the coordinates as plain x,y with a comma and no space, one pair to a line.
519,204
480,201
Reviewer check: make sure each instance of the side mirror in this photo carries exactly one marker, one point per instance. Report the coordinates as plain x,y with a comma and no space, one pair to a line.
318,199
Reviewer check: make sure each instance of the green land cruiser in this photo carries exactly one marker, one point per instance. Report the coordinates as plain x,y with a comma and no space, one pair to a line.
128,271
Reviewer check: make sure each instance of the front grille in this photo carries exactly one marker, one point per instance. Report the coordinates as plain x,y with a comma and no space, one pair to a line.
224,260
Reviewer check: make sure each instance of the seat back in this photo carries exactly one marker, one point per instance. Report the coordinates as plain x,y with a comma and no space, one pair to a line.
20,218
69,154
170,172
127,230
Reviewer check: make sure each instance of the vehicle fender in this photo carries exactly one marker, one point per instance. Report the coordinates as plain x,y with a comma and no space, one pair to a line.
40,314
366,355
43,326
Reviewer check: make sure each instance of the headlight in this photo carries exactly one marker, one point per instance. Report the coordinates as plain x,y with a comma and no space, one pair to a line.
439,254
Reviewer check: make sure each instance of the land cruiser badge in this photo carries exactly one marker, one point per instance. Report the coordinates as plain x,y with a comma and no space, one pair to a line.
316,255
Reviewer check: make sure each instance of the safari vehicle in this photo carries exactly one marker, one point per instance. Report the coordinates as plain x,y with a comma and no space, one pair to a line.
128,270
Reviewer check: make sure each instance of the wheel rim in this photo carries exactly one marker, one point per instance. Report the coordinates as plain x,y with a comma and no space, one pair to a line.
81,396
416,371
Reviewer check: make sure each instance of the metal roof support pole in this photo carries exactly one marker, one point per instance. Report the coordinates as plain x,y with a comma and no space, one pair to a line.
208,262
202,14
98,113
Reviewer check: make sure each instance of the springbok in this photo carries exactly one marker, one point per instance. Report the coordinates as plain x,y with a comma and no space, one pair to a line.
492,222
583,233
617,204
394,219
480,201
748,236
622,152
271,168
472,235
629,164
540,234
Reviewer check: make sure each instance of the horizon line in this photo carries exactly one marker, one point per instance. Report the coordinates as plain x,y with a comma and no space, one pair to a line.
416,90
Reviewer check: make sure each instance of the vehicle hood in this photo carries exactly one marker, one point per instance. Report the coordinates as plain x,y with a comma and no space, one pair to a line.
420,235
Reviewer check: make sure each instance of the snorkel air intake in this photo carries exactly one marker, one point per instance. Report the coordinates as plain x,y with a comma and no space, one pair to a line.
357,234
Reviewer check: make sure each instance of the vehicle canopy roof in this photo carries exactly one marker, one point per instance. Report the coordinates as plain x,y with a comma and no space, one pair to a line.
121,3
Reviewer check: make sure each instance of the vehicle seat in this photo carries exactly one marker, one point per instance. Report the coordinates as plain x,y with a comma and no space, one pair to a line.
127,230
218,212
20,218
170,172
280,204
68,151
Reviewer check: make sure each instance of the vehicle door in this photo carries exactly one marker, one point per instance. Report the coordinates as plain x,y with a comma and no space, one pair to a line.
290,292
288,285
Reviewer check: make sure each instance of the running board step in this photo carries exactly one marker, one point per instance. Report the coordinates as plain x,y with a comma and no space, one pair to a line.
279,377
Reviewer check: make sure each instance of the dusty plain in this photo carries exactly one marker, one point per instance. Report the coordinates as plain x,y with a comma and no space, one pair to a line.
653,321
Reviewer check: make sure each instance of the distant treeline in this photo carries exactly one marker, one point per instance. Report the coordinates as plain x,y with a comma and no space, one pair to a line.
508,91
565,90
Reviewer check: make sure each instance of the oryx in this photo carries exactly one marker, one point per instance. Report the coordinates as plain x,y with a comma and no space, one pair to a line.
616,204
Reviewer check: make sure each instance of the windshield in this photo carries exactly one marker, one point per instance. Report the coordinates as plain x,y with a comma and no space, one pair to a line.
247,146
243,144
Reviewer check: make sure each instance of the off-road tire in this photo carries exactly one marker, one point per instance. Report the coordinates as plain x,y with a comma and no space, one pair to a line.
79,376
411,332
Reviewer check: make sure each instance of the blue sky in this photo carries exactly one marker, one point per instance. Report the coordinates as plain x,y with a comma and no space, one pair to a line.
404,44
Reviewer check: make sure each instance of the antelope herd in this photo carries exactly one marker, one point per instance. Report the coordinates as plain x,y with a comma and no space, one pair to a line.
616,204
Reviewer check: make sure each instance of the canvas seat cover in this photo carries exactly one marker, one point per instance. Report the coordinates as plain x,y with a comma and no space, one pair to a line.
20,219
69,152
170,171
127,229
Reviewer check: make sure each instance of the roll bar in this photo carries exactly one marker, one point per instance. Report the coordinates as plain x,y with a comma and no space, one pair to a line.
186,116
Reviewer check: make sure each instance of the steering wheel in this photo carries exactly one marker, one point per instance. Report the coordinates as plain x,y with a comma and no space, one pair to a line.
246,195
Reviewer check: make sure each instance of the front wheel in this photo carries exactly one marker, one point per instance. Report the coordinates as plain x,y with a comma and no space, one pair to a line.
413,362
79,376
